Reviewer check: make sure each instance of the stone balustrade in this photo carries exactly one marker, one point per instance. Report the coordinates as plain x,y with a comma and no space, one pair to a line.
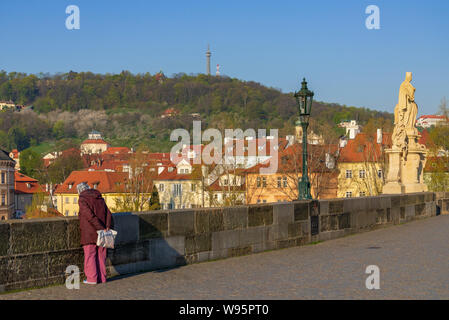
37,252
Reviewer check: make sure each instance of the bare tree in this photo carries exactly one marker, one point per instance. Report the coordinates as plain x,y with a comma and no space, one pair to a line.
135,195
443,108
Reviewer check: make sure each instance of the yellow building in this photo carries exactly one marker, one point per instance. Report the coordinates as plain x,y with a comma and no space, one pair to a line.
362,166
282,185
228,190
181,187
110,184
7,105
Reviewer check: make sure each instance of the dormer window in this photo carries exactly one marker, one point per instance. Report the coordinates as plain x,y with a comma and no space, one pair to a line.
70,185
29,185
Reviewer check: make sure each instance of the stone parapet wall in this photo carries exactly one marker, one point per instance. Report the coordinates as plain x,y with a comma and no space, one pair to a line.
37,252
442,202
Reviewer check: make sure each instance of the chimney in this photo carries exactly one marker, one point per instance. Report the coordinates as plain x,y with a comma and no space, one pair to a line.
379,136
351,134
290,139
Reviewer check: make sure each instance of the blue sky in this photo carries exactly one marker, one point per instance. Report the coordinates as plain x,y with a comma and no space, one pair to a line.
272,42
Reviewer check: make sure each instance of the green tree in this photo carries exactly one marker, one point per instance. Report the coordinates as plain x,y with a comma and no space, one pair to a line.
437,166
154,200
58,129
4,144
31,164
6,91
18,138
61,168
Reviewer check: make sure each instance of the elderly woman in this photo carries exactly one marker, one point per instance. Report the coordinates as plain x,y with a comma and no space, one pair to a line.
93,215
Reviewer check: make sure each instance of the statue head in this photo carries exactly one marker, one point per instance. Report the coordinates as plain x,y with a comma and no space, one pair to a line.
408,76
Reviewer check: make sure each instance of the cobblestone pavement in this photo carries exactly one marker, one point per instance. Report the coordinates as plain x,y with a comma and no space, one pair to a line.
413,262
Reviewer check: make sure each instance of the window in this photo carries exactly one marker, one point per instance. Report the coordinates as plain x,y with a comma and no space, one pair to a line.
362,174
379,173
67,200
3,178
193,187
225,182
177,189
264,182
161,187
279,182
348,174
258,200
75,201
285,182
216,196
348,194
3,199
258,182
264,201
67,213
362,193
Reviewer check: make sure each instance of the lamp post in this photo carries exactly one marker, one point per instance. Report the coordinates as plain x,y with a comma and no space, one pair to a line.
304,98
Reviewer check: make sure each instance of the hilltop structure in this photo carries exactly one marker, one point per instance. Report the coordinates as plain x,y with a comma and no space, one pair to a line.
94,144
427,121
208,54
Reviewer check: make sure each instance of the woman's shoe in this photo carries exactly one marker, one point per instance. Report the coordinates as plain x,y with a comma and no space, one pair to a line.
88,282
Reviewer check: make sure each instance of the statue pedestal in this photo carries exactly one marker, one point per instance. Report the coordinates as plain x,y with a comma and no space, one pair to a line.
412,171
393,179
405,174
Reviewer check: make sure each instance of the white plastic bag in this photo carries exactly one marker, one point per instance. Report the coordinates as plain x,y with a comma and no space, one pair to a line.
106,238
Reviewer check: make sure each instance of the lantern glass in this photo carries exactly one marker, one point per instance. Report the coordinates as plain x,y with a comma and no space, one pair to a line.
304,98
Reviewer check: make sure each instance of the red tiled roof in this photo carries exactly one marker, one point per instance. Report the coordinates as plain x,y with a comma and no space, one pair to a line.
94,141
108,182
117,150
216,187
159,156
437,164
171,111
25,184
431,116
173,175
116,165
364,148
15,153
290,159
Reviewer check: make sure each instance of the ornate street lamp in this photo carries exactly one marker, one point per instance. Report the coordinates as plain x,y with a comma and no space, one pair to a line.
304,98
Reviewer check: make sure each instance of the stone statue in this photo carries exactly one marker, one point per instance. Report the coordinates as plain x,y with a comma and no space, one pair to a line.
407,157
405,114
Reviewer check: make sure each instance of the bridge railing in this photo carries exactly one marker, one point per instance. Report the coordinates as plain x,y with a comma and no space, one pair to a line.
37,252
